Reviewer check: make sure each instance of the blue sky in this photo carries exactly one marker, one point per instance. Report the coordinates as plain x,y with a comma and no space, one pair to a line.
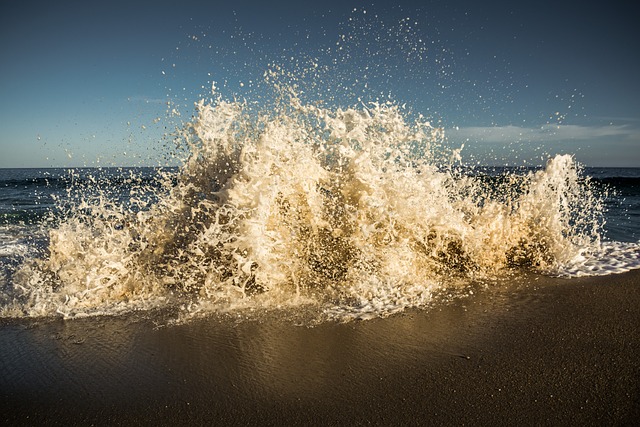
88,83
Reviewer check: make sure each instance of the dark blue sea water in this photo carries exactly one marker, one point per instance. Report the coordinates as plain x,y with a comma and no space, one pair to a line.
622,186
27,196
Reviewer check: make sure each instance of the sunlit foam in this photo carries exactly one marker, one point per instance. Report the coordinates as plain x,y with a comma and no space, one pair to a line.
357,210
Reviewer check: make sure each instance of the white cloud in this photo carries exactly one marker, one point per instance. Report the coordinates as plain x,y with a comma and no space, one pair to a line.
146,99
545,133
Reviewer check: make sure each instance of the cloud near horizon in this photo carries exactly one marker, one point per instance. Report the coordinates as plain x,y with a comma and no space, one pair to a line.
147,99
545,133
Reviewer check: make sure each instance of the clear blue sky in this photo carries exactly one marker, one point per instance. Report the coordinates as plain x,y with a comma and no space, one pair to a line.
84,83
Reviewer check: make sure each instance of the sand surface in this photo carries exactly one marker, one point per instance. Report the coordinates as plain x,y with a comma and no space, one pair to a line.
544,352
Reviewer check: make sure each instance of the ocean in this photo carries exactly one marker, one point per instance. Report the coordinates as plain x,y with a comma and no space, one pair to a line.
349,214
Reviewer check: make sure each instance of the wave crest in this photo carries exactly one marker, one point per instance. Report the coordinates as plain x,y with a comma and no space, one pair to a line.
356,209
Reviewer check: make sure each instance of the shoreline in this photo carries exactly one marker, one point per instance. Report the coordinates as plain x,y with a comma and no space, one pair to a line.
547,351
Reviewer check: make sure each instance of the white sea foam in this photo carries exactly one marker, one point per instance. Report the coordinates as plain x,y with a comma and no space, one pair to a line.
11,249
607,258
12,241
356,210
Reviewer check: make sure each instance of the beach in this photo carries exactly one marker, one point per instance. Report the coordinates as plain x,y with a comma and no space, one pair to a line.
542,351
336,215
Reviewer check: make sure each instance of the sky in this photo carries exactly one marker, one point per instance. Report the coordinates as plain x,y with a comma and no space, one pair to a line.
87,83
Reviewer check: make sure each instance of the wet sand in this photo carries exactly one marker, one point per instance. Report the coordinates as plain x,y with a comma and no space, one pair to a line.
545,352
